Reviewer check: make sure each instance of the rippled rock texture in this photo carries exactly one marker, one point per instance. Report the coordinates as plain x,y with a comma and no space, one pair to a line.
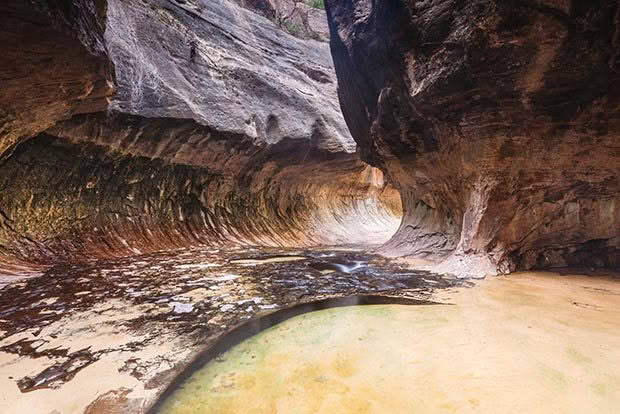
131,127
498,122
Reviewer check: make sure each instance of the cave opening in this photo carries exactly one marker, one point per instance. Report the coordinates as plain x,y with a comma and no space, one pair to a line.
276,206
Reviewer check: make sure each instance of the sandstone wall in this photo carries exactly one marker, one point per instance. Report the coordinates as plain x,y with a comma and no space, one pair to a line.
497,121
152,124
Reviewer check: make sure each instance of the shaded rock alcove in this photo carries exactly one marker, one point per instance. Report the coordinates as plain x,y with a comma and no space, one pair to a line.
497,121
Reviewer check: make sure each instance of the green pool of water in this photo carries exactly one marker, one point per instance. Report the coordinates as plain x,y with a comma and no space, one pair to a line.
485,358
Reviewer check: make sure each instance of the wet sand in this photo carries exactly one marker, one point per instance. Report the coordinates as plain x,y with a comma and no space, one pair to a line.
525,343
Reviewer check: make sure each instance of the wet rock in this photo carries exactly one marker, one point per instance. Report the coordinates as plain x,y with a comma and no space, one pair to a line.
153,336
182,307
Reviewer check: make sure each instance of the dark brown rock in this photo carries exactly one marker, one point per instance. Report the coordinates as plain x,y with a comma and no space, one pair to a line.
53,66
498,122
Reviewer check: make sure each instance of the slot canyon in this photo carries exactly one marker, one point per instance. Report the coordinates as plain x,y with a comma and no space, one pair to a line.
280,206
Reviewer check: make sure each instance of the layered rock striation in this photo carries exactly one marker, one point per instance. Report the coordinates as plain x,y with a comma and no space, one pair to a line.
498,122
131,127
54,65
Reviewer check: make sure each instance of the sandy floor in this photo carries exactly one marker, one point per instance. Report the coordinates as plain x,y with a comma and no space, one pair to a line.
526,343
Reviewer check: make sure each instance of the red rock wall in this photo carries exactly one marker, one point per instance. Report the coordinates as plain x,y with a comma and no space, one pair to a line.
498,122
141,126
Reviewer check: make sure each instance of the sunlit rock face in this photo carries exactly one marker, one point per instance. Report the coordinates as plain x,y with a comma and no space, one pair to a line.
303,19
498,122
138,126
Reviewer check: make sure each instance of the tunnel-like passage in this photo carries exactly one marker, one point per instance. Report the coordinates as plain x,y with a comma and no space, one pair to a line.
212,135
172,169
72,201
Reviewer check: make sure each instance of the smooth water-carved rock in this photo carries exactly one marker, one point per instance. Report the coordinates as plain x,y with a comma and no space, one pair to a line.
87,201
224,67
216,127
498,122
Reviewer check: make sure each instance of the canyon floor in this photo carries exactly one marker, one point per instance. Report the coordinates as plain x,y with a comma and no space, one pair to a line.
111,335
508,346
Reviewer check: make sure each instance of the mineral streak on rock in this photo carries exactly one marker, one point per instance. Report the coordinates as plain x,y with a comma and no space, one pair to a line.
139,126
497,121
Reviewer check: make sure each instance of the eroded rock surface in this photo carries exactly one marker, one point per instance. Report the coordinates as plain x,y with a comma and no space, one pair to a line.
85,200
224,67
109,335
498,122
53,66
214,126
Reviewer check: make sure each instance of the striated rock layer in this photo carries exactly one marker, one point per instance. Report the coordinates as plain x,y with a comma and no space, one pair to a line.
129,127
499,123
53,66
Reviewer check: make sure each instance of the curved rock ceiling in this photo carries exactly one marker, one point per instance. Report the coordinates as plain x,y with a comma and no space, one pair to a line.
131,127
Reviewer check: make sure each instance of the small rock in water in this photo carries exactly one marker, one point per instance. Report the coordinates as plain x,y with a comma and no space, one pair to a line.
226,278
182,307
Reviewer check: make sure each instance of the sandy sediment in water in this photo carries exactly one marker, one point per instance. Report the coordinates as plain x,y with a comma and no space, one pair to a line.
109,336
527,343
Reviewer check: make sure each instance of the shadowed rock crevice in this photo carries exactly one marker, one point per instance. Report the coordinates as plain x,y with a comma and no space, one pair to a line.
54,66
498,123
